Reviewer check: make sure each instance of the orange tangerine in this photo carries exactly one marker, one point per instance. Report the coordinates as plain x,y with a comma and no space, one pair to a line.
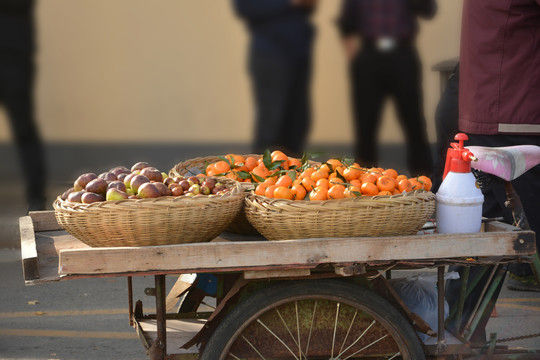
401,177
385,183
336,192
384,192
308,183
425,181
369,178
283,192
241,168
280,156
251,163
261,171
319,174
318,193
351,173
352,191
209,167
261,188
369,189
269,192
284,180
323,182
356,183
335,163
415,184
276,153
390,172
299,192
326,167
404,186
335,181
221,167
296,163
307,173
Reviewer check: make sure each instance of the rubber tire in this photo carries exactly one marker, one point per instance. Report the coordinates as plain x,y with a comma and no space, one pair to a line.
259,302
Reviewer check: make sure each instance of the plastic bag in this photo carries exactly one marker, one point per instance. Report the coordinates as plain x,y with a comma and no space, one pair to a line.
419,293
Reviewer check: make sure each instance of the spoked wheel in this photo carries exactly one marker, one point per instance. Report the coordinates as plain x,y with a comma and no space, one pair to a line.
314,319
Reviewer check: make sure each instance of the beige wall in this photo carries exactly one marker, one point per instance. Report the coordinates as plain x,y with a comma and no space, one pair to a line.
174,71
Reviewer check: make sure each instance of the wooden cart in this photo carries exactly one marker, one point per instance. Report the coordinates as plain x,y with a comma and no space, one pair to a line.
306,272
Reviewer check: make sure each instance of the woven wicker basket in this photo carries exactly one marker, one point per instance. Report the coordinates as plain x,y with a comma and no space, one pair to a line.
240,225
278,219
149,222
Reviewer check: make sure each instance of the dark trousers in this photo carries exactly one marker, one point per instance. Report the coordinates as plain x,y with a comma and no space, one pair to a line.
397,74
281,88
16,96
446,125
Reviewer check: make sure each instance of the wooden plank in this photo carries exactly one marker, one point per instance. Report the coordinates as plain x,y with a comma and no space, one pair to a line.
278,273
179,332
44,220
189,258
495,226
179,287
29,254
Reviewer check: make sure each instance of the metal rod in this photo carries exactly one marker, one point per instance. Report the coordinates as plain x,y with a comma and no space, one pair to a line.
501,271
486,286
160,314
130,299
462,296
471,285
440,305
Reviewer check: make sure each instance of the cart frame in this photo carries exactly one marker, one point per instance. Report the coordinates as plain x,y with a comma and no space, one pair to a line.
49,254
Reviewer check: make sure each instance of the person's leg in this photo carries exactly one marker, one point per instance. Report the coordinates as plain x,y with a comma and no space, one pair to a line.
407,90
368,93
17,77
298,109
446,125
270,77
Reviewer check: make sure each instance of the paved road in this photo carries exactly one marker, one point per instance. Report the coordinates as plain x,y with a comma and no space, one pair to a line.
87,318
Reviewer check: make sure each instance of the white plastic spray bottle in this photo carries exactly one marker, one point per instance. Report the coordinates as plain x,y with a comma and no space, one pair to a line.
459,198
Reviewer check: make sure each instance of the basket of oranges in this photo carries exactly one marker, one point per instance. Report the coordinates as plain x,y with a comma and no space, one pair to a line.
339,199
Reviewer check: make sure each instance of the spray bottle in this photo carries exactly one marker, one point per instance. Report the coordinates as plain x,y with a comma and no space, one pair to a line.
459,198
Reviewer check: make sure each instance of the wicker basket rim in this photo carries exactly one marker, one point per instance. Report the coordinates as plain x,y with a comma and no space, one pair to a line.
417,195
164,201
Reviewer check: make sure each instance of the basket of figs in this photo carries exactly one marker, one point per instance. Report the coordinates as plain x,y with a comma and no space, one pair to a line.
142,206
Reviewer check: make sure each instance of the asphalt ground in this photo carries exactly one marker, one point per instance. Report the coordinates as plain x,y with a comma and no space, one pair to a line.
87,319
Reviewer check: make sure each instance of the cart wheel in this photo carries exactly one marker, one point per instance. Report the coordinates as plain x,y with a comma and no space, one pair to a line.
314,319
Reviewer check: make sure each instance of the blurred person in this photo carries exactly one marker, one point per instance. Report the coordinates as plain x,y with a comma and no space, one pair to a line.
499,74
379,41
17,49
280,68
499,95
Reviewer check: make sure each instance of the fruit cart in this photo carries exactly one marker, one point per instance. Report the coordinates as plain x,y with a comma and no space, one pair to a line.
325,298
